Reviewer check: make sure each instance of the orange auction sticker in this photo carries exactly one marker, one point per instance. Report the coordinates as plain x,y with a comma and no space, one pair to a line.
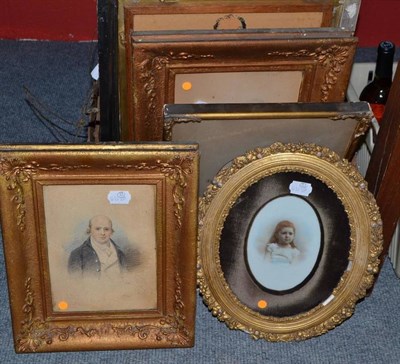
62,305
187,86
262,304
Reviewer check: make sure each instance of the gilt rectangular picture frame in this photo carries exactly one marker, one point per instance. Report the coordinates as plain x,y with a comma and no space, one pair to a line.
100,245
233,67
224,131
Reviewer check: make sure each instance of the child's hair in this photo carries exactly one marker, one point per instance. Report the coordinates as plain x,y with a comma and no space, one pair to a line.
282,224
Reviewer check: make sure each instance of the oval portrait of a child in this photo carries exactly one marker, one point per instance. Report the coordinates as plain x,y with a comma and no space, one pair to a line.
284,244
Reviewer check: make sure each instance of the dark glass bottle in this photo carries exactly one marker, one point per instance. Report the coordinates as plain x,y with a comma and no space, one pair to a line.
377,91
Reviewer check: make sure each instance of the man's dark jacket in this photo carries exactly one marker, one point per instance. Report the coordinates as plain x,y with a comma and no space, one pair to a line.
84,260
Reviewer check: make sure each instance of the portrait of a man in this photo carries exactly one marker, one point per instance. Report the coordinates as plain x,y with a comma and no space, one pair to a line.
98,256
102,255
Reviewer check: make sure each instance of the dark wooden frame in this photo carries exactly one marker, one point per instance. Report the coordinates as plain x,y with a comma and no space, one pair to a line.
107,24
191,8
220,8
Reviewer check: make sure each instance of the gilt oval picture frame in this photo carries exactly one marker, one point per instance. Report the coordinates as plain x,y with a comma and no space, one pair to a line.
302,205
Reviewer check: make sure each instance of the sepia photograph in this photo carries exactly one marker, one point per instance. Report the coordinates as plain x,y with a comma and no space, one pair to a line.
284,243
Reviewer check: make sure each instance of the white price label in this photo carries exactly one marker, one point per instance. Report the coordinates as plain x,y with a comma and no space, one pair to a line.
119,197
300,188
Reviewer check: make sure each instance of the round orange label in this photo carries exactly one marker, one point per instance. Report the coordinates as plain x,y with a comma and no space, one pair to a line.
262,304
63,305
186,86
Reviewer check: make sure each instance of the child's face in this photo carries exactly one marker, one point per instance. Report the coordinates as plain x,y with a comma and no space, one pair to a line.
286,235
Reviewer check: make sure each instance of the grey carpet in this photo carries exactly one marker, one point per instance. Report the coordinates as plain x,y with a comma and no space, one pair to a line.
57,74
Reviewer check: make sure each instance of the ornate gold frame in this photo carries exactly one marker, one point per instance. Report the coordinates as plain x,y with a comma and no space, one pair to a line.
224,131
333,177
323,58
171,170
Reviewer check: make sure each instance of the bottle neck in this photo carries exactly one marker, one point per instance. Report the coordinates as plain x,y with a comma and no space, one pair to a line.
384,67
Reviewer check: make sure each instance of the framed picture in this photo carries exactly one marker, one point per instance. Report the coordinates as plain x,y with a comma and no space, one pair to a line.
100,244
112,39
224,131
233,67
289,239
156,15
207,15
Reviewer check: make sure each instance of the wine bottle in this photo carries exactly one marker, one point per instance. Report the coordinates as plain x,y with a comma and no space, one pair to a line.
377,91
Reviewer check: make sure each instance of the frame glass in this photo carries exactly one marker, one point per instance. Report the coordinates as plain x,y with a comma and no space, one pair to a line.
289,240
224,131
100,245
233,67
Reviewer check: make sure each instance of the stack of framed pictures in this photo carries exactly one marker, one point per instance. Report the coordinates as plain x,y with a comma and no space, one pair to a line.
188,15
238,77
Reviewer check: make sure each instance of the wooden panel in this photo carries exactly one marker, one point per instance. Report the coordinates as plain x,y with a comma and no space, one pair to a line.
383,174
108,53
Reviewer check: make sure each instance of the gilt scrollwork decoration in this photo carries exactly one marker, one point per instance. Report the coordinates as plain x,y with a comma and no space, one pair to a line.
17,173
44,322
364,122
170,122
171,329
36,333
148,71
332,59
